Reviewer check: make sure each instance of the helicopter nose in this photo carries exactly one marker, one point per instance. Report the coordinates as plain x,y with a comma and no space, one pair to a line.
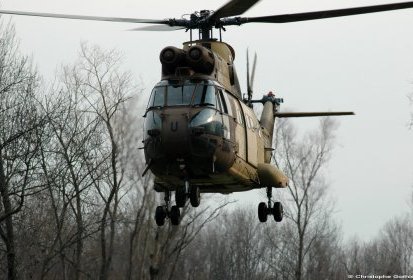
174,135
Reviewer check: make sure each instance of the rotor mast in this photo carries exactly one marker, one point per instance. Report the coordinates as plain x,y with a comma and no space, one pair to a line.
205,29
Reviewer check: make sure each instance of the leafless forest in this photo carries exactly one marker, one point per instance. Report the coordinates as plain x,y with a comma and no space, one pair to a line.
74,204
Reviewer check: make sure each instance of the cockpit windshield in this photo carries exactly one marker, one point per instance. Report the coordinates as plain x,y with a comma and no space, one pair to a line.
188,94
179,95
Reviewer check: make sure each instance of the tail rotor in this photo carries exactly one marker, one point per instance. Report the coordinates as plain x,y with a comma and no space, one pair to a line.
250,79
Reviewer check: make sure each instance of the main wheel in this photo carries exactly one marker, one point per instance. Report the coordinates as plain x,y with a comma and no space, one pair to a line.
262,212
278,211
160,215
180,197
175,215
195,196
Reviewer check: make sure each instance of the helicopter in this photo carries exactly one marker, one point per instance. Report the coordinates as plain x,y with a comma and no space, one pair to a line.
201,134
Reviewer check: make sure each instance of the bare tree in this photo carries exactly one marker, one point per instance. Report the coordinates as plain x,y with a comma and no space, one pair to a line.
19,120
72,142
81,164
391,252
308,208
105,88
229,248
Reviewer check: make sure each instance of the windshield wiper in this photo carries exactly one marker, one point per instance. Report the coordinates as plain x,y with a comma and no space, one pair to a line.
151,108
203,104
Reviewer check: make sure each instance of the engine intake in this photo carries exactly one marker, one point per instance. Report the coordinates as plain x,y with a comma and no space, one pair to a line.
201,59
172,57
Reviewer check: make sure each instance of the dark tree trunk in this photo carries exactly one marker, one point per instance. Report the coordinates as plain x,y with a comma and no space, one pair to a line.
8,219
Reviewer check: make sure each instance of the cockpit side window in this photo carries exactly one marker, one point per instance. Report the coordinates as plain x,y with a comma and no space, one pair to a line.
198,93
157,98
209,97
205,96
228,101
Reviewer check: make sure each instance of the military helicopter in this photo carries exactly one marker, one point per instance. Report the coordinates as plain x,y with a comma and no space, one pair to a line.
201,134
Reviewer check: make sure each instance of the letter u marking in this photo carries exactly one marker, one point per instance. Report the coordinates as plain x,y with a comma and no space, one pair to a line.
174,126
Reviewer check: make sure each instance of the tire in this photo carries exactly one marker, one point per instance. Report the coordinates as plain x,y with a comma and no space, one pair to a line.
180,197
195,196
175,215
278,211
262,212
160,215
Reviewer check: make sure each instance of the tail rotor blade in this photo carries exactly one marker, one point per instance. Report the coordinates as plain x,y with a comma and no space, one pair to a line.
254,65
248,76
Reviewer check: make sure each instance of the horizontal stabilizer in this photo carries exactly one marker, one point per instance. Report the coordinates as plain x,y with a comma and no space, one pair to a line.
310,114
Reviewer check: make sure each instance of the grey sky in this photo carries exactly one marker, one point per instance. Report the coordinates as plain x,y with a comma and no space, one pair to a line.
360,63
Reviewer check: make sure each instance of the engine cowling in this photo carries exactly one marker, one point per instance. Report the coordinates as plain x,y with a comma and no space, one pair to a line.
172,57
200,59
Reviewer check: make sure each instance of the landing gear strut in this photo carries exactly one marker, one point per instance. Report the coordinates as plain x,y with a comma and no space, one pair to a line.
163,212
264,210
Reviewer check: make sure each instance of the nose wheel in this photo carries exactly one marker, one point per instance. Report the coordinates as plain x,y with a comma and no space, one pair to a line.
182,195
265,209
165,211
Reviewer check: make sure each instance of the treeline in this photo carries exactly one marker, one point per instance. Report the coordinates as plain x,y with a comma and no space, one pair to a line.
74,204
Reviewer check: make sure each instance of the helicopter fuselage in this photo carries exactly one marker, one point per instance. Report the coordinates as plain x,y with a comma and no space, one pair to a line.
195,138
198,129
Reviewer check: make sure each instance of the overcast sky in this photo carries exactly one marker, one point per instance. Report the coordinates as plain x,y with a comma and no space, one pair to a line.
360,63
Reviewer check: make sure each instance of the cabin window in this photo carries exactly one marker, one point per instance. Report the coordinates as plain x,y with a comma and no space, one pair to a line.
250,122
239,117
222,101
228,101
239,113
157,97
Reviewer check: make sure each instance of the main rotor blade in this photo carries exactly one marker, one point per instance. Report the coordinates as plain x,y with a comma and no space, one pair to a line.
157,28
232,8
95,18
329,13
311,114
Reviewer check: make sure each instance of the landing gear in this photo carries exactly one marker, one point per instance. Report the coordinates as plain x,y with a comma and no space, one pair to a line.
181,196
264,210
194,196
175,215
160,215
183,193
163,212
278,211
